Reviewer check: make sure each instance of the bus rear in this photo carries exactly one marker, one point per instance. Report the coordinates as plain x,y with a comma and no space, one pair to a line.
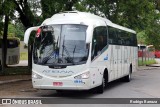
13,50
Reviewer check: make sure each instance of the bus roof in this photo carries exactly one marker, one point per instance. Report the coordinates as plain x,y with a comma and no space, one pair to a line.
74,16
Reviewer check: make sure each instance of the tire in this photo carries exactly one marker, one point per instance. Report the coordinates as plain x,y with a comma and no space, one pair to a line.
128,77
100,89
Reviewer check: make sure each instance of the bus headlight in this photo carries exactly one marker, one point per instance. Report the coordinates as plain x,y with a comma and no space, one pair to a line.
36,76
83,76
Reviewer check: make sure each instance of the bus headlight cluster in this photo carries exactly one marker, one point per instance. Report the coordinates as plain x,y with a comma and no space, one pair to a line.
36,76
83,76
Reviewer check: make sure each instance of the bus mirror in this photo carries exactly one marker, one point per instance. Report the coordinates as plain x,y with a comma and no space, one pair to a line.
28,32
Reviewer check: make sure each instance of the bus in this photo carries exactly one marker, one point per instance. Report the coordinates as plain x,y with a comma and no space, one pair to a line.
13,50
80,51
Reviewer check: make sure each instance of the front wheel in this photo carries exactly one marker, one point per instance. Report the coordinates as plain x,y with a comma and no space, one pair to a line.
100,89
128,77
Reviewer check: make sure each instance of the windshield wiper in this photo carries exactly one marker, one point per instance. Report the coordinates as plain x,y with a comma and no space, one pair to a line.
74,50
44,61
68,54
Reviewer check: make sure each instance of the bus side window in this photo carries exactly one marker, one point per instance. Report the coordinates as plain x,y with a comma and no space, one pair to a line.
99,40
112,36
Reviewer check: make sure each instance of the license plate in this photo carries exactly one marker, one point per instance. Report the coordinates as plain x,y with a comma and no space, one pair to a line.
57,83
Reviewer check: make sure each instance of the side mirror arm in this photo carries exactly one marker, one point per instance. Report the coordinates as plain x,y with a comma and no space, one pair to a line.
28,32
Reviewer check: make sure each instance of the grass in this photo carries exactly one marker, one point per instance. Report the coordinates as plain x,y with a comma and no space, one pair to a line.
24,56
147,62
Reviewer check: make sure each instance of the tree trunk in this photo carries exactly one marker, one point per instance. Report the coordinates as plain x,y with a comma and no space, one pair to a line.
4,44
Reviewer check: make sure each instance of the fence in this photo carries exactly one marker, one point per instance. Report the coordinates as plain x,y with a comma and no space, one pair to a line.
145,55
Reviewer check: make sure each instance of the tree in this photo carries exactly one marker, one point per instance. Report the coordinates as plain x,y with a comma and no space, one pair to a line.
27,18
1,17
140,15
7,12
25,14
51,7
16,30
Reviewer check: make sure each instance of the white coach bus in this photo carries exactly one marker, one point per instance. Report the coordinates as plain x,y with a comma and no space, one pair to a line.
80,51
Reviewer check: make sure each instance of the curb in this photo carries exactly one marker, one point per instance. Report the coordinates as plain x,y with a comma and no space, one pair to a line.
153,65
146,68
11,81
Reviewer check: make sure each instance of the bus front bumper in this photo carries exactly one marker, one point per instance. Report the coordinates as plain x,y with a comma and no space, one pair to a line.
61,84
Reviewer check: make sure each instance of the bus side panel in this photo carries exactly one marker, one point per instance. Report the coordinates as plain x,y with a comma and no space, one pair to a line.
135,59
111,62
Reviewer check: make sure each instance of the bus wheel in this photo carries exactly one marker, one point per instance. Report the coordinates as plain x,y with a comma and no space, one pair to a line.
100,89
128,77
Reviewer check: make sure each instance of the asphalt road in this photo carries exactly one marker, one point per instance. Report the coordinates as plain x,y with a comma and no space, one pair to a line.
144,84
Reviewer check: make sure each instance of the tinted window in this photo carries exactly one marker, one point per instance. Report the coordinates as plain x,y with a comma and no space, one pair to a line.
112,35
121,37
99,40
133,40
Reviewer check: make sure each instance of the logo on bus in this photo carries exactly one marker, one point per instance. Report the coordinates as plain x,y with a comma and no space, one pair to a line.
58,71
106,57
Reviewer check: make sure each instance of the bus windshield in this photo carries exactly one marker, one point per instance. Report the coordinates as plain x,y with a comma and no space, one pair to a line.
60,45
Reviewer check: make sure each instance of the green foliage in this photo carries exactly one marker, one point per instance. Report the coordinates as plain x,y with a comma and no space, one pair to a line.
16,30
51,7
141,37
140,15
24,56
19,30
7,8
1,17
11,30
147,62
